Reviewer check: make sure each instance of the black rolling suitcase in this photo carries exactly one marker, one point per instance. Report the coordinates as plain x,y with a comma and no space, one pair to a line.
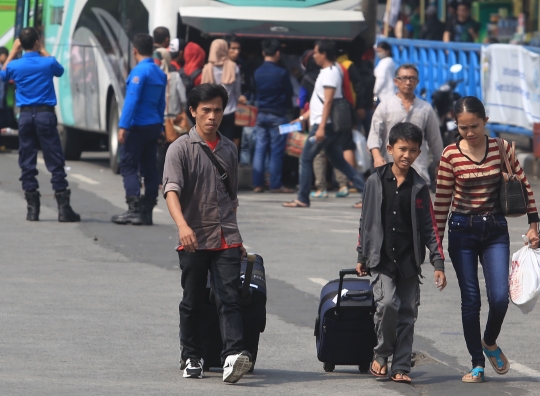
252,297
344,331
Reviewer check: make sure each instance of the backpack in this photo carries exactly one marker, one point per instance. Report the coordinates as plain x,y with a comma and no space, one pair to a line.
189,81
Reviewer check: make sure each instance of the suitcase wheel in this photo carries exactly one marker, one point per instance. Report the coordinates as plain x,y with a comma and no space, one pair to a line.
329,367
364,367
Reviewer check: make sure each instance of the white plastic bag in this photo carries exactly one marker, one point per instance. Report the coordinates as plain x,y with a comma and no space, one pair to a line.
525,278
361,153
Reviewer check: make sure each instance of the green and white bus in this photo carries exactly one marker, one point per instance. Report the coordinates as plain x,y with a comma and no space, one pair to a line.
92,40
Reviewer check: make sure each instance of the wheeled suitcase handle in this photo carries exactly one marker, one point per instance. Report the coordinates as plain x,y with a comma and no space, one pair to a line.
245,294
359,293
342,273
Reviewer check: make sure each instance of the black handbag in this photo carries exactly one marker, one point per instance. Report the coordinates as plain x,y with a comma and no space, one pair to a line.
513,194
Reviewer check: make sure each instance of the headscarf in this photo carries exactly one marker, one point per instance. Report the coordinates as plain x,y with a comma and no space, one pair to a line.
165,57
194,57
218,56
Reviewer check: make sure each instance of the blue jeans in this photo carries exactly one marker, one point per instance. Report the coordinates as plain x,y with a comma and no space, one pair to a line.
39,129
268,136
471,237
139,153
247,146
334,151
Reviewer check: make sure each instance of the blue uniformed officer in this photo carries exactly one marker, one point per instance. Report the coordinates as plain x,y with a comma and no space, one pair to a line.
33,74
140,125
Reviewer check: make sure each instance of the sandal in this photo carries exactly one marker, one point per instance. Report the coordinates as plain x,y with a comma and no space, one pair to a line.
476,375
358,205
319,194
501,365
343,192
295,204
282,190
383,365
258,190
405,379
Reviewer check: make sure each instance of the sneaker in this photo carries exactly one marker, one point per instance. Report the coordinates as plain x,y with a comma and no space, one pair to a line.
194,368
236,366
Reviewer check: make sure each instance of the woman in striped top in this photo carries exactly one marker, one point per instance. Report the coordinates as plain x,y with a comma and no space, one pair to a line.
468,182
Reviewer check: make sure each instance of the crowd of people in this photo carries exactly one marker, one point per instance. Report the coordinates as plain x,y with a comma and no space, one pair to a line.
193,109
459,27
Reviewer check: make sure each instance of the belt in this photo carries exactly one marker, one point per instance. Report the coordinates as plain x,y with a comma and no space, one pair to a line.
37,109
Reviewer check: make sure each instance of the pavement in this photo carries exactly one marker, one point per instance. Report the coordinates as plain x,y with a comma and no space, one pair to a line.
92,308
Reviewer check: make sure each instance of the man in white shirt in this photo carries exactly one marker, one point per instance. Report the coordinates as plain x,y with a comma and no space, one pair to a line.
328,87
405,107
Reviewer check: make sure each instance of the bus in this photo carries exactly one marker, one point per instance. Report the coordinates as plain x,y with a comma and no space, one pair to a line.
92,40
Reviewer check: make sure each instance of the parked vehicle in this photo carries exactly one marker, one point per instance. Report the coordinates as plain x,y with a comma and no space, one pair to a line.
92,40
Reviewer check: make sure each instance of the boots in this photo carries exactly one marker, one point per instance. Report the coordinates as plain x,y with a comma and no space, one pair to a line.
147,208
32,199
133,214
65,212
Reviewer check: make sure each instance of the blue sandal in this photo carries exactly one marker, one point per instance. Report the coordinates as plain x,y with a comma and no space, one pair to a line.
477,376
501,365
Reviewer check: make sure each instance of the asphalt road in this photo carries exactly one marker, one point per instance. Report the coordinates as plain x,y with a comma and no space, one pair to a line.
92,308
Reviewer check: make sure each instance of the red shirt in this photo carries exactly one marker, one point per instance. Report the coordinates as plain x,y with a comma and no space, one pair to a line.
224,245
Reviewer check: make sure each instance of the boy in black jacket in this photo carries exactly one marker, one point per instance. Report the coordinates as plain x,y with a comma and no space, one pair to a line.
396,226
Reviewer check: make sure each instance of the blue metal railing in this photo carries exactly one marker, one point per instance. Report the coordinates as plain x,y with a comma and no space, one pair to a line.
434,59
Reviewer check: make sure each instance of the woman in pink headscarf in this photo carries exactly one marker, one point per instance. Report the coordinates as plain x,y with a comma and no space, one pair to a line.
221,70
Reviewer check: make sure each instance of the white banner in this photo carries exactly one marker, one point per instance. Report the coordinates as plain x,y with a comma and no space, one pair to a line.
511,85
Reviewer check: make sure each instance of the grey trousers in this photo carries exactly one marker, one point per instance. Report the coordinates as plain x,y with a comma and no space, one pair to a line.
397,309
319,169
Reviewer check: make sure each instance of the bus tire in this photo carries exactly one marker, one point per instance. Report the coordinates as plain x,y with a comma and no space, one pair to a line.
114,147
72,143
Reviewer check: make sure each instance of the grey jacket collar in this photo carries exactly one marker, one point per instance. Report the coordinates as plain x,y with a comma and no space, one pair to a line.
418,181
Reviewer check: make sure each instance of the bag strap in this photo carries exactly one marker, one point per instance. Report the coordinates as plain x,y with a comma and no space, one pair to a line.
222,174
504,156
195,74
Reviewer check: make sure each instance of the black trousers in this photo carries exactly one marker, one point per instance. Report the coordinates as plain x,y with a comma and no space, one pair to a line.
224,267
138,155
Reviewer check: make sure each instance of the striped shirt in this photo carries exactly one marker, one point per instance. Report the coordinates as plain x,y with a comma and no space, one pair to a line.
474,186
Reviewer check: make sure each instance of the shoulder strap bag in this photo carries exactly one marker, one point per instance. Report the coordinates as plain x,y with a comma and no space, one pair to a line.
513,195
341,113
222,174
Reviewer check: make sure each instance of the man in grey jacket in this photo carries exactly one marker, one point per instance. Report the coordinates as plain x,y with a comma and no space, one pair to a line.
396,226
405,107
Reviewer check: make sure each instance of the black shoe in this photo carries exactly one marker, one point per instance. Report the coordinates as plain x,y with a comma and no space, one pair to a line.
65,212
133,214
147,206
32,200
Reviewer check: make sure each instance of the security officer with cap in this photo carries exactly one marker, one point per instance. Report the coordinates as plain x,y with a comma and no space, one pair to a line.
140,125
33,74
